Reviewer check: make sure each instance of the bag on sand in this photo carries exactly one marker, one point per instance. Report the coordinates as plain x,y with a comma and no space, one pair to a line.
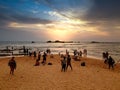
82,63
49,63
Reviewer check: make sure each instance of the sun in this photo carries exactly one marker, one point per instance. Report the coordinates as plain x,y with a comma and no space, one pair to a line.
60,35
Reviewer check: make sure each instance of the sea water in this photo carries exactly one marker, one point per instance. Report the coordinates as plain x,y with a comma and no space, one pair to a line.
93,49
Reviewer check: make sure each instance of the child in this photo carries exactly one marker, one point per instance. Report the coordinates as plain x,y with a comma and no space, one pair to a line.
12,64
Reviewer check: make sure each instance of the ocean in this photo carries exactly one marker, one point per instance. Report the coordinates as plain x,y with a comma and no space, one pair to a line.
93,49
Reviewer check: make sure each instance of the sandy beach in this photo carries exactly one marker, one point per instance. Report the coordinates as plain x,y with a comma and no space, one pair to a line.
94,76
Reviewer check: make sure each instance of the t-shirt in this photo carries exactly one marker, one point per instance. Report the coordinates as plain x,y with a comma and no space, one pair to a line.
12,63
64,61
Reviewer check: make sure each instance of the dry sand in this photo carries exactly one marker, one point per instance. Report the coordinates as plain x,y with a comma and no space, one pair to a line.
94,76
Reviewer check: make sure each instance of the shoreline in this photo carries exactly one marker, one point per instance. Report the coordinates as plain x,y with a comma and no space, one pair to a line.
19,55
91,57
94,49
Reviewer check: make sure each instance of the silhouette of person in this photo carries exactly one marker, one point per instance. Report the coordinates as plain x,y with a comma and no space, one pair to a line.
44,58
111,62
69,62
34,54
37,63
39,56
12,64
63,63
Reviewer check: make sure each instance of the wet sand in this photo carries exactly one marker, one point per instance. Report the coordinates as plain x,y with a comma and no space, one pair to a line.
94,76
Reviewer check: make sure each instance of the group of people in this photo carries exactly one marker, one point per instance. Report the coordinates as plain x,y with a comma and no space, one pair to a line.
39,57
79,53
65,62
108,60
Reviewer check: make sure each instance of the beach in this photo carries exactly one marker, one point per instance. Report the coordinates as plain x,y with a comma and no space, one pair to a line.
95,75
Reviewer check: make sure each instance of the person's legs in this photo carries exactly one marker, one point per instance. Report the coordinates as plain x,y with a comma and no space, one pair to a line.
71,66
109,66
64,67
112,66
12,70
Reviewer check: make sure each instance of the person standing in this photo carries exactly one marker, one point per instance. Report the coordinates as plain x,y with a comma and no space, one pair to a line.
85,52
111,62
39,55
44,58
63,63
69,62
34,54
12,64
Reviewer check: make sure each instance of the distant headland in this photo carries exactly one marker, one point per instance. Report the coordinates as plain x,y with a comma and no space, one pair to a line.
58,41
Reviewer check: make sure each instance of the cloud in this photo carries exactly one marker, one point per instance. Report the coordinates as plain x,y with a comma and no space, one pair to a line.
8,16
86,18
104,10
12,34
91,10
68,8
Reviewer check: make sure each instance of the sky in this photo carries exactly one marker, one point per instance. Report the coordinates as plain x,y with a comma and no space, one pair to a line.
79,20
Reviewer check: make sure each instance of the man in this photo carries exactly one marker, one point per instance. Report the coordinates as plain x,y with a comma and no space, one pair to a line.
63,63
111,62
69,62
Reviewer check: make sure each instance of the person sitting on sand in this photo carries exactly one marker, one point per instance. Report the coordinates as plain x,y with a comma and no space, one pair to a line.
63,64
111,62
69,62
12,64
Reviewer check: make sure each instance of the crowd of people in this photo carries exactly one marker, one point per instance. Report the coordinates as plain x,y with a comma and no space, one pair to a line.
65,59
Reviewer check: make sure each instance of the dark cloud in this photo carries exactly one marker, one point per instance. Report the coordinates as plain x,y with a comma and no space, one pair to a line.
104,10
96,10
30,20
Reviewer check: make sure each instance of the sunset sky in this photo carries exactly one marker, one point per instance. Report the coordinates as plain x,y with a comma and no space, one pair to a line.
80,20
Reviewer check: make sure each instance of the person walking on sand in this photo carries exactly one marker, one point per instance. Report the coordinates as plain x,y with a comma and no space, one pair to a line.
12,64
63,64
69,62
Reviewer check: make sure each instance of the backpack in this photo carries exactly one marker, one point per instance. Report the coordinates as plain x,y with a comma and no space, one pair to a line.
82,63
